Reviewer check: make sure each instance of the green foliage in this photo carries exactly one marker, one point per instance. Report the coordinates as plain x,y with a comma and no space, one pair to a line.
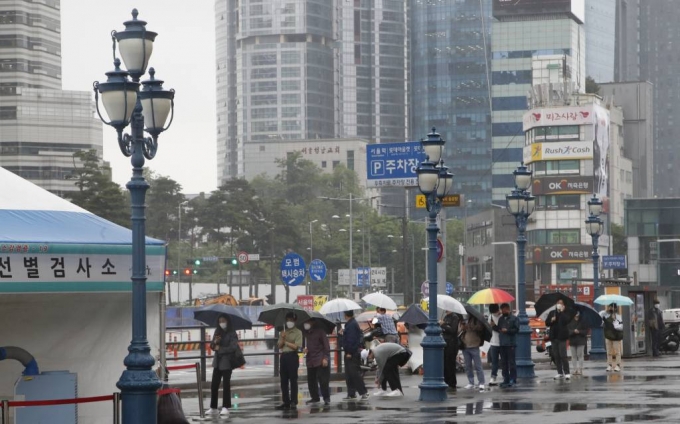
620,244
163,201
592,86
96,192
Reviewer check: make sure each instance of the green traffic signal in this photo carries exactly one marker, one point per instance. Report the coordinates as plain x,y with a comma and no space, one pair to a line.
195,271
234,261
197,262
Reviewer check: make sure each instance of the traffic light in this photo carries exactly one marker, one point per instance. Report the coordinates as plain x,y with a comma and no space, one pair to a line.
187,271
234,262
167,272
175,272
195,271
197,262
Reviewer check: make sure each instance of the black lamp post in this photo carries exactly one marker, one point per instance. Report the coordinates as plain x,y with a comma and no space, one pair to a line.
594,227
145,110
521,204
434,181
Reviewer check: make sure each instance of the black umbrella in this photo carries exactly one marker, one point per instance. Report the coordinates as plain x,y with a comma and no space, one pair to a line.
414,316
550,299
210,315
473,312
321,320
276,314
589,314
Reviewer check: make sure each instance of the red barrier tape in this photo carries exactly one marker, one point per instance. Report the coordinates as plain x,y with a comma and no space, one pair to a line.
60,401
168,391
181,367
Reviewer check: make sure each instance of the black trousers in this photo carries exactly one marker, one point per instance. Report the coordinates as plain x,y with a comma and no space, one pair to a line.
656,341
318,379
450,355
217,377
289,378
355,383
390,375
508,364
559,348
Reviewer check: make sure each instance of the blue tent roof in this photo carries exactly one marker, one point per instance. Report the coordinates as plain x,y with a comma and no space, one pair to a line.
30,214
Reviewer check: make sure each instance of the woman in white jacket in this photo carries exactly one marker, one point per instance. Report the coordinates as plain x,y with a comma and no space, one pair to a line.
613,335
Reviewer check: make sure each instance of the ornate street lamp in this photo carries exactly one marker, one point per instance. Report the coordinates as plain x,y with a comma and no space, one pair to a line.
434,182
594,227
521,204
145,110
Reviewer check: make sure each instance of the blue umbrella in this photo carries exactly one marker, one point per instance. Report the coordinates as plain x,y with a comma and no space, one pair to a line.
589,314
608,299
209,315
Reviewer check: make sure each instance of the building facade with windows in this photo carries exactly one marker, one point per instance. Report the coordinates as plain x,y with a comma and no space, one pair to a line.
41,125
574,151
450,79
536,51
307,70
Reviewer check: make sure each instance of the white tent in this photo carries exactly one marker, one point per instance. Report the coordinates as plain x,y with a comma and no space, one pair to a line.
65,291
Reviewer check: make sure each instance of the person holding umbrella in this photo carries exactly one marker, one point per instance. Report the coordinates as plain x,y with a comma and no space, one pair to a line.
578,339
290,340
318,353
449,325
225,345
613,335
558,320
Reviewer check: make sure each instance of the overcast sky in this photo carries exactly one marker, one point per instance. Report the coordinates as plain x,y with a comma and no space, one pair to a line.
183,56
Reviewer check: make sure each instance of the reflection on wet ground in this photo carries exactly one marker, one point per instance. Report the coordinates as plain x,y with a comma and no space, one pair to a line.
598,397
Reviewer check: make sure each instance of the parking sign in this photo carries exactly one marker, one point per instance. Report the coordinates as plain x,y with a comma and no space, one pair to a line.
393,164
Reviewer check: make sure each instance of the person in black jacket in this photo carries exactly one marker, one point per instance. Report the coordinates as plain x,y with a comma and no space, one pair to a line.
558,320
578,339
225,345
351,345
449,325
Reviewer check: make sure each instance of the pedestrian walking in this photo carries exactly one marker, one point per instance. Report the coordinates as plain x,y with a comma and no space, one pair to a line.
318,353
449,325
495,348
656,326
290,342
471,334
578,339
351,344
225,345
387,325
558,320
389,357
507,328
613,337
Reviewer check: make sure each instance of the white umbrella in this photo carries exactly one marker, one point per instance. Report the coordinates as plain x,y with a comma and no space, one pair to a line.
448,303
380,300
339,305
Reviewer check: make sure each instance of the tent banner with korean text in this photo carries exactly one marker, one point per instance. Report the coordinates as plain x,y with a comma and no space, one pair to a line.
75,268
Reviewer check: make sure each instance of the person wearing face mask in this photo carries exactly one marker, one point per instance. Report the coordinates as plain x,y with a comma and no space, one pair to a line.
290,340
558,320
578,339
495,349
449,325
507,327
225,345
318,353
656,325
613,337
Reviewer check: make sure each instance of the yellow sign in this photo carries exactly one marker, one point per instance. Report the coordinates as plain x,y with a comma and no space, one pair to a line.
452,200
319,301
424,305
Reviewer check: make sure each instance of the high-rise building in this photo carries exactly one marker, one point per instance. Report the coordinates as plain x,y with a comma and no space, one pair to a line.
41,126
627,54
659,57
305,70
450,78
636,100
600,28
536,51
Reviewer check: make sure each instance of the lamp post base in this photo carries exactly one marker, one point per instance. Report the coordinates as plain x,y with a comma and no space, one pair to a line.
433,388
597,350
525,366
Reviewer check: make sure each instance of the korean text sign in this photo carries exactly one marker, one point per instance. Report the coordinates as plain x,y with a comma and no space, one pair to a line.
393,164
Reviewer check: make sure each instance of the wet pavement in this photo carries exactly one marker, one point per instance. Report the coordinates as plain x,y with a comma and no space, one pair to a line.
645,391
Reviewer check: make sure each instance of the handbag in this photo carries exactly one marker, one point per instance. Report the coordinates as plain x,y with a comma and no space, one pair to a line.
238,360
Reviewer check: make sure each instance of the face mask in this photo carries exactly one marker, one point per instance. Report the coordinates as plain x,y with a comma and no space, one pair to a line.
657,306
223,325
307,326
506,313
290,324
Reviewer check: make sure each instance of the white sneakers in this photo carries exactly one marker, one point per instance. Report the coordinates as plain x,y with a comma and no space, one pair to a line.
481,388
224,412
609,368
559,376
394,393
211,412
469,386
493,381
380,392
568,376
617,368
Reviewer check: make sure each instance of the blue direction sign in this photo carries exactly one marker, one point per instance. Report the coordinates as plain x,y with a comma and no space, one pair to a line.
393,164
293,269
449,288
317,270
363,277
614,262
